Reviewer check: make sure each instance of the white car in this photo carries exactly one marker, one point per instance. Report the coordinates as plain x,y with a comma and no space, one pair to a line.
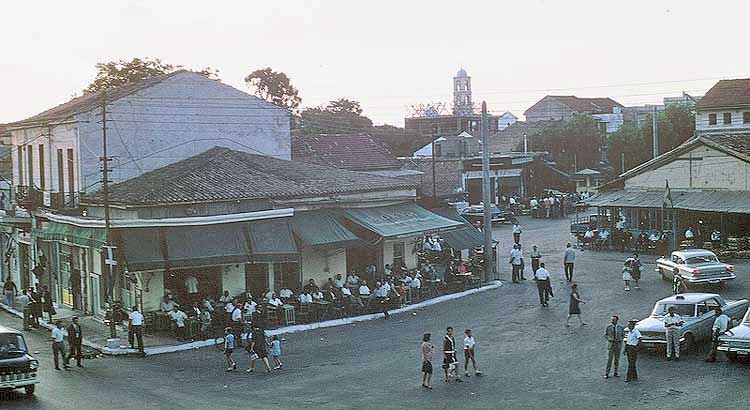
736,342
695,267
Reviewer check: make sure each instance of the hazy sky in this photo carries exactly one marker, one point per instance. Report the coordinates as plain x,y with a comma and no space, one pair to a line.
388,55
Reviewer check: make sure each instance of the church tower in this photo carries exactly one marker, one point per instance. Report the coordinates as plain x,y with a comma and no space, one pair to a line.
462,104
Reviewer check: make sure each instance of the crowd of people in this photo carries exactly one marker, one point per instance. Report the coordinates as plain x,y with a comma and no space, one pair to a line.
450,357
34,302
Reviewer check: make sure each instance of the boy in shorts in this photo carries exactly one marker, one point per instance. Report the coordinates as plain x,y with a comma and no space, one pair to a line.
229,348
469,344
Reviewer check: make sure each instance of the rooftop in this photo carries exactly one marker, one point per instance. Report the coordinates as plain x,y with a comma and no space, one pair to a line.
726,93
595,105
356,152
222,174
689,297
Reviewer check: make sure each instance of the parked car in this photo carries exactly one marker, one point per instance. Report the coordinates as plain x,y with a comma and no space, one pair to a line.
696,310
695,267
736,342
475,213
18,369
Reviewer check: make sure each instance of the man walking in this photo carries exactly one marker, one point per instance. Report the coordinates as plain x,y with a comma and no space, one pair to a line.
136,328
75,340
536,257
58,345
517,233
450,360
614,334
673,323
721,326
516,263
541,276
569,256
631,349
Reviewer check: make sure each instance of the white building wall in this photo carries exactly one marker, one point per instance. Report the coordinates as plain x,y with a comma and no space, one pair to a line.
233,279
702,120
53,138
321,264
701,168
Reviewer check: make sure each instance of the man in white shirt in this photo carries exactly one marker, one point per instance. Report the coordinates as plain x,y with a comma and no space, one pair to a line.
569,257
543,287
673,324
427,245
436,246
631,350
363,289
317,295
415,282
352,279
339,282
135,330
225,298
516,263
58,345
285,294
191,285
178,317
275,301
517,233
167,304
305,298
721,326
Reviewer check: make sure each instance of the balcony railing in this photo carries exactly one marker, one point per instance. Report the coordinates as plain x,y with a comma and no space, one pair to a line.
32,198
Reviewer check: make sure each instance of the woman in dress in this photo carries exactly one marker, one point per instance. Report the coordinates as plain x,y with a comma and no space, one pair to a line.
627,273
574,306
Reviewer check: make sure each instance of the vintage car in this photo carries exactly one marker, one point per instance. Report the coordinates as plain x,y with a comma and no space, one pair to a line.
736,342
696,310
475,213
695,267
18,369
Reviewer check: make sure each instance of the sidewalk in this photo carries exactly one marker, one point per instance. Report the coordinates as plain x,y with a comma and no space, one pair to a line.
97,333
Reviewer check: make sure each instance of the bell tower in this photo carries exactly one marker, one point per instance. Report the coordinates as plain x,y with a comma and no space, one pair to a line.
462,104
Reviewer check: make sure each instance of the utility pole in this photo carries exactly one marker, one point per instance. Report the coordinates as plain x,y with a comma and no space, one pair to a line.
435,133
525,143
486,197
656,133
108,249
622,161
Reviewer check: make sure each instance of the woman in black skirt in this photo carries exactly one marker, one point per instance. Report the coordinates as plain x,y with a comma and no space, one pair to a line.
574,306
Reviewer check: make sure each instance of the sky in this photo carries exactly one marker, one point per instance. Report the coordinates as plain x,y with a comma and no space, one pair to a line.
388,55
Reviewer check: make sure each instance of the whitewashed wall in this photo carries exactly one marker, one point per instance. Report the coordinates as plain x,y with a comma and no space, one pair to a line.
321,264
701,120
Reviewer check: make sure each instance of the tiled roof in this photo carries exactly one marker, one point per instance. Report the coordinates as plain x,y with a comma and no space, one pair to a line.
738,143
510,138
605,104
88,102
222,174
726,93
357,152
596,105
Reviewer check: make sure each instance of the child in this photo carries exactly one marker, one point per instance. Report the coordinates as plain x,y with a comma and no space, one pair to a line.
276,352
229,348
627,273
469,344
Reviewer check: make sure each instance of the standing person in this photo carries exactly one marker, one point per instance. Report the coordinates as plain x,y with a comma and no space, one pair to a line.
135,319
673,324
721,326
191,285
627,273
10,289
631,349
427,349
75,340
47,305
574,305
450,360
276,352
614,335
58,345
569,257
229,348
178,317
715,239
258,349
536,257
636,274
469,345
543,286
516,263
523,262
517,233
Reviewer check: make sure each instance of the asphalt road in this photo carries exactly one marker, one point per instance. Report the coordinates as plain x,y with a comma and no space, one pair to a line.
530,360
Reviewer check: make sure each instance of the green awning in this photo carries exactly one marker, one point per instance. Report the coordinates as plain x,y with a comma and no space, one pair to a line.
463,238
272,241
72,234
218,244
450,213
141,248
399,220
320,228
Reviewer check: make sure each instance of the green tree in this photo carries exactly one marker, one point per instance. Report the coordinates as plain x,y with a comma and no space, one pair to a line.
340,116
631,141
676,125
574,144
117,73
274,87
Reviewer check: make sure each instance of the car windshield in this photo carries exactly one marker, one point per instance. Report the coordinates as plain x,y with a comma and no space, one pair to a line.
11,344
682,309
697,260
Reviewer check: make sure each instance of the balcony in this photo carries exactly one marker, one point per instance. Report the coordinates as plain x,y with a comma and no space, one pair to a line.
31,198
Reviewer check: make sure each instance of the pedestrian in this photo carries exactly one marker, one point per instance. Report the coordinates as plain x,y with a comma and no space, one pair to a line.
627,273
75,340
614,335
543,285
450,360
636,274
631,350
276,352
574,305
516,263
178,317
47,305
673,324
569,257
135,328
523,262
10,289
229,348
517,233
427,349
536,257
469,355
721,326
258,349
58,345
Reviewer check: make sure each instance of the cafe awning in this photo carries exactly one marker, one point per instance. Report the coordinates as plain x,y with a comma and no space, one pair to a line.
321,228
463,238
400,220
141,248
219,244
272,241
72,234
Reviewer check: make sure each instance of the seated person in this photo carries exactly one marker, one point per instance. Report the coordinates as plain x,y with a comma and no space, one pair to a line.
415,283
285,294
588,237
311,286
167,304
339,282
329,284
346,294
387,271
462,267
305,298
225,298
317,295
603,237
269,295
329,294
208,305
363,289
274,300
250,307
352,279
196,310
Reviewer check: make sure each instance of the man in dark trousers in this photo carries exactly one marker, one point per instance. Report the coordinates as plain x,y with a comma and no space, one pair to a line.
631,349
614,334
75,338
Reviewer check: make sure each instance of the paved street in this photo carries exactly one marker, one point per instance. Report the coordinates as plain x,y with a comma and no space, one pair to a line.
530,360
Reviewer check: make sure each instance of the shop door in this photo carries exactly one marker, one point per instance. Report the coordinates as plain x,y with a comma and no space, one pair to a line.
25,269
95,295
66,266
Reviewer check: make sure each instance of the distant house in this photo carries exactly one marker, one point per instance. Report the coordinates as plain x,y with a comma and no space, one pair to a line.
724,108
511,138
587,180
505,120
604,110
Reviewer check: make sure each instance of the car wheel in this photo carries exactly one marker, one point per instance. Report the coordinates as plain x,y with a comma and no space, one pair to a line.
732,356
30,389
689,343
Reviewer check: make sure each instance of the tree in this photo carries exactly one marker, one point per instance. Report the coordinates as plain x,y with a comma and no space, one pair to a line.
117,73
340,116
676,125
574,144
631,141
274,87
344,106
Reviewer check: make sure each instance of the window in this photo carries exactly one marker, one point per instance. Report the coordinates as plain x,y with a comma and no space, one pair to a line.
458,85
60,172
398,253
30,154
42,174
20,165
727,118
71,180
711,119
746,117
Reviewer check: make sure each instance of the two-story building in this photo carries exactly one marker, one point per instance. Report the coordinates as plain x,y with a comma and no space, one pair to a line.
606,111
725,108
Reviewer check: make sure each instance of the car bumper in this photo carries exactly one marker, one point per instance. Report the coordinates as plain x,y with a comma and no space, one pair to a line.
711,280
21,381
732,349
652,343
